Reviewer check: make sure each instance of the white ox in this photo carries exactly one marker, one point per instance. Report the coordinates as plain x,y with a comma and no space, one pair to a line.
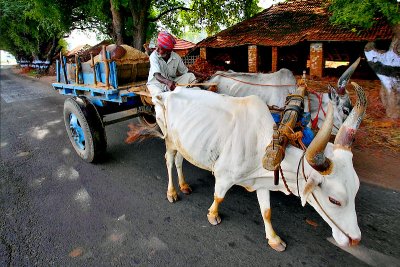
228,136
273,88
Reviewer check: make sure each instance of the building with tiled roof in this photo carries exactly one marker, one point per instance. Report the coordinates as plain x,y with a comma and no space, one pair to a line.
182,47
288,35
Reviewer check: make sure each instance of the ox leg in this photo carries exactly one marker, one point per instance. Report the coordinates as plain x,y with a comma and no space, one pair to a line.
273,239
219,194
185,188
172,196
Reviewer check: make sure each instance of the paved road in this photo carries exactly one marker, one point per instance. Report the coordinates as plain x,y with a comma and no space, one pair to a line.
57,210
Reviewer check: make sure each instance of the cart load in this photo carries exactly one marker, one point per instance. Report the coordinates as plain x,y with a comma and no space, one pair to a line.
108,88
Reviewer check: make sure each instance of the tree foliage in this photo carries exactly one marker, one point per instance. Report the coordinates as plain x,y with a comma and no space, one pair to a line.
34,27
364,13
211,15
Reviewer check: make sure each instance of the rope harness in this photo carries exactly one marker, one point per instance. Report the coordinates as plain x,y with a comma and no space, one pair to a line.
314,122
250,83
295,138
301,162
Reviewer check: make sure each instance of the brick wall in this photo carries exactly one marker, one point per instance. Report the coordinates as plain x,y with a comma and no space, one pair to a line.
253,58
316,60
274,63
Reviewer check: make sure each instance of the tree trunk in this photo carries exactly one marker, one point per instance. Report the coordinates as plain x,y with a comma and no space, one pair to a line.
386,65
117,24
52,50
140,16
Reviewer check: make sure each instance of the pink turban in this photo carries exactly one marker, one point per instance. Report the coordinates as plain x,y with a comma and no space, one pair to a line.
166,40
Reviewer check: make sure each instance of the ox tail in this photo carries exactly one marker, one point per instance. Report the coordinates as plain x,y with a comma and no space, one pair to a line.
139,132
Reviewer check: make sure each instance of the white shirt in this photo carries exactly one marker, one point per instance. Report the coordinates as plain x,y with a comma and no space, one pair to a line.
170,69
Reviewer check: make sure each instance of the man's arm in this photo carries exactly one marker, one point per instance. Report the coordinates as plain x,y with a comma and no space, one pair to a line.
170,84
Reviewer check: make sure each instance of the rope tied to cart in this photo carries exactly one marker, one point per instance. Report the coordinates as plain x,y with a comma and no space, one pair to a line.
250,83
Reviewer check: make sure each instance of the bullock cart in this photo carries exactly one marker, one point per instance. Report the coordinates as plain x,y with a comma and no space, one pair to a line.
106,89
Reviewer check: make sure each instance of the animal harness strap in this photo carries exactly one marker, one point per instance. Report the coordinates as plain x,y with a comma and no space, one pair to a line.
314,122
250,83
319,205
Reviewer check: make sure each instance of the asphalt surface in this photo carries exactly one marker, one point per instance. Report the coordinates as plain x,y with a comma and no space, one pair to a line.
57,210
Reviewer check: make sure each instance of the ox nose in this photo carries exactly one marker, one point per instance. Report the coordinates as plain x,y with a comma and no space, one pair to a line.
354,242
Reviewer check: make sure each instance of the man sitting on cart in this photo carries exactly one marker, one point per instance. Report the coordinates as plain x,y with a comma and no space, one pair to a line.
166,67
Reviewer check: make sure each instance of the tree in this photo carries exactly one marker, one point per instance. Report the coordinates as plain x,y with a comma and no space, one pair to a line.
386,64
35,27
32,29
134,21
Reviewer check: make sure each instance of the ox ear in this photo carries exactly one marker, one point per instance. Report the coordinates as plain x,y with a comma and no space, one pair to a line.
333,94
310,186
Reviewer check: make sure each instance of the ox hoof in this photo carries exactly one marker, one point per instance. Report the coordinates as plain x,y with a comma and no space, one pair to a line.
279,246
213,219
173,197
185,188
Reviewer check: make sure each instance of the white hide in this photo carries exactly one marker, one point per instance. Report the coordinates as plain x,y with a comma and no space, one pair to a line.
228,136
270,94
276,95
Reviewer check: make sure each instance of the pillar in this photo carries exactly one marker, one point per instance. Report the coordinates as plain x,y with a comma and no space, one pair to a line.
253,58
316,60
203,52
274,63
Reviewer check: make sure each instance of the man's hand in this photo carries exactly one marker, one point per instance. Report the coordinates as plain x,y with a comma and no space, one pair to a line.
171,85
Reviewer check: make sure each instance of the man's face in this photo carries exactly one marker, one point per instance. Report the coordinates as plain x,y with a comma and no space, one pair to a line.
164,53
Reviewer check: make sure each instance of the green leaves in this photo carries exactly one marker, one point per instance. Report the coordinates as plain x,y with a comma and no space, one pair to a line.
214,15
30,26
33,27
364,13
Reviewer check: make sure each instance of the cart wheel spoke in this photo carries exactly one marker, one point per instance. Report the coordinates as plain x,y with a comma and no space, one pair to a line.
77,132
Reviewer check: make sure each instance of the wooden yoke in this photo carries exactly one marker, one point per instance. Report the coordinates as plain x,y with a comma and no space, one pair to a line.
275,151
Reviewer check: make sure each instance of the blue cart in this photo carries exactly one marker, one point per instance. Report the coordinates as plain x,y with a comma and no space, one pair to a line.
97,100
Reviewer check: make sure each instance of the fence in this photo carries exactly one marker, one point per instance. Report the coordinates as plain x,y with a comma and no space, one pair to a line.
36,64
189,60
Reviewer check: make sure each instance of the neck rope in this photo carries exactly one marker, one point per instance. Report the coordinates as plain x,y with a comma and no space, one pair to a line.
301,161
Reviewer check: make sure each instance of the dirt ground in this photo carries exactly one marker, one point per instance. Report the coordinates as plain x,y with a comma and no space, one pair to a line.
377,146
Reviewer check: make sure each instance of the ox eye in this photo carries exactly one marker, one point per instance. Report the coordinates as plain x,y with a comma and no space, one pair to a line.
334,201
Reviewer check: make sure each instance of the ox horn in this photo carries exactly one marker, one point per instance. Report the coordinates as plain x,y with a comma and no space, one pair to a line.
315,151
344,79
347,131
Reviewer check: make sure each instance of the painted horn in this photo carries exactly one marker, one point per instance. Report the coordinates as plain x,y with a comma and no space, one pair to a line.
315,152
347,131
344,79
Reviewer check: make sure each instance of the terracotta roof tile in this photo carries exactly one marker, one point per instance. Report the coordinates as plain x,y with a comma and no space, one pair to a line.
291,22
183,44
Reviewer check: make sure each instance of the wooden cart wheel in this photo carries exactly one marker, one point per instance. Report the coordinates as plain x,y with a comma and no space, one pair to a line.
85,128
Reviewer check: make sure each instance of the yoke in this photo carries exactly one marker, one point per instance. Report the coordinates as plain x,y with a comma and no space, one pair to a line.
275,151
